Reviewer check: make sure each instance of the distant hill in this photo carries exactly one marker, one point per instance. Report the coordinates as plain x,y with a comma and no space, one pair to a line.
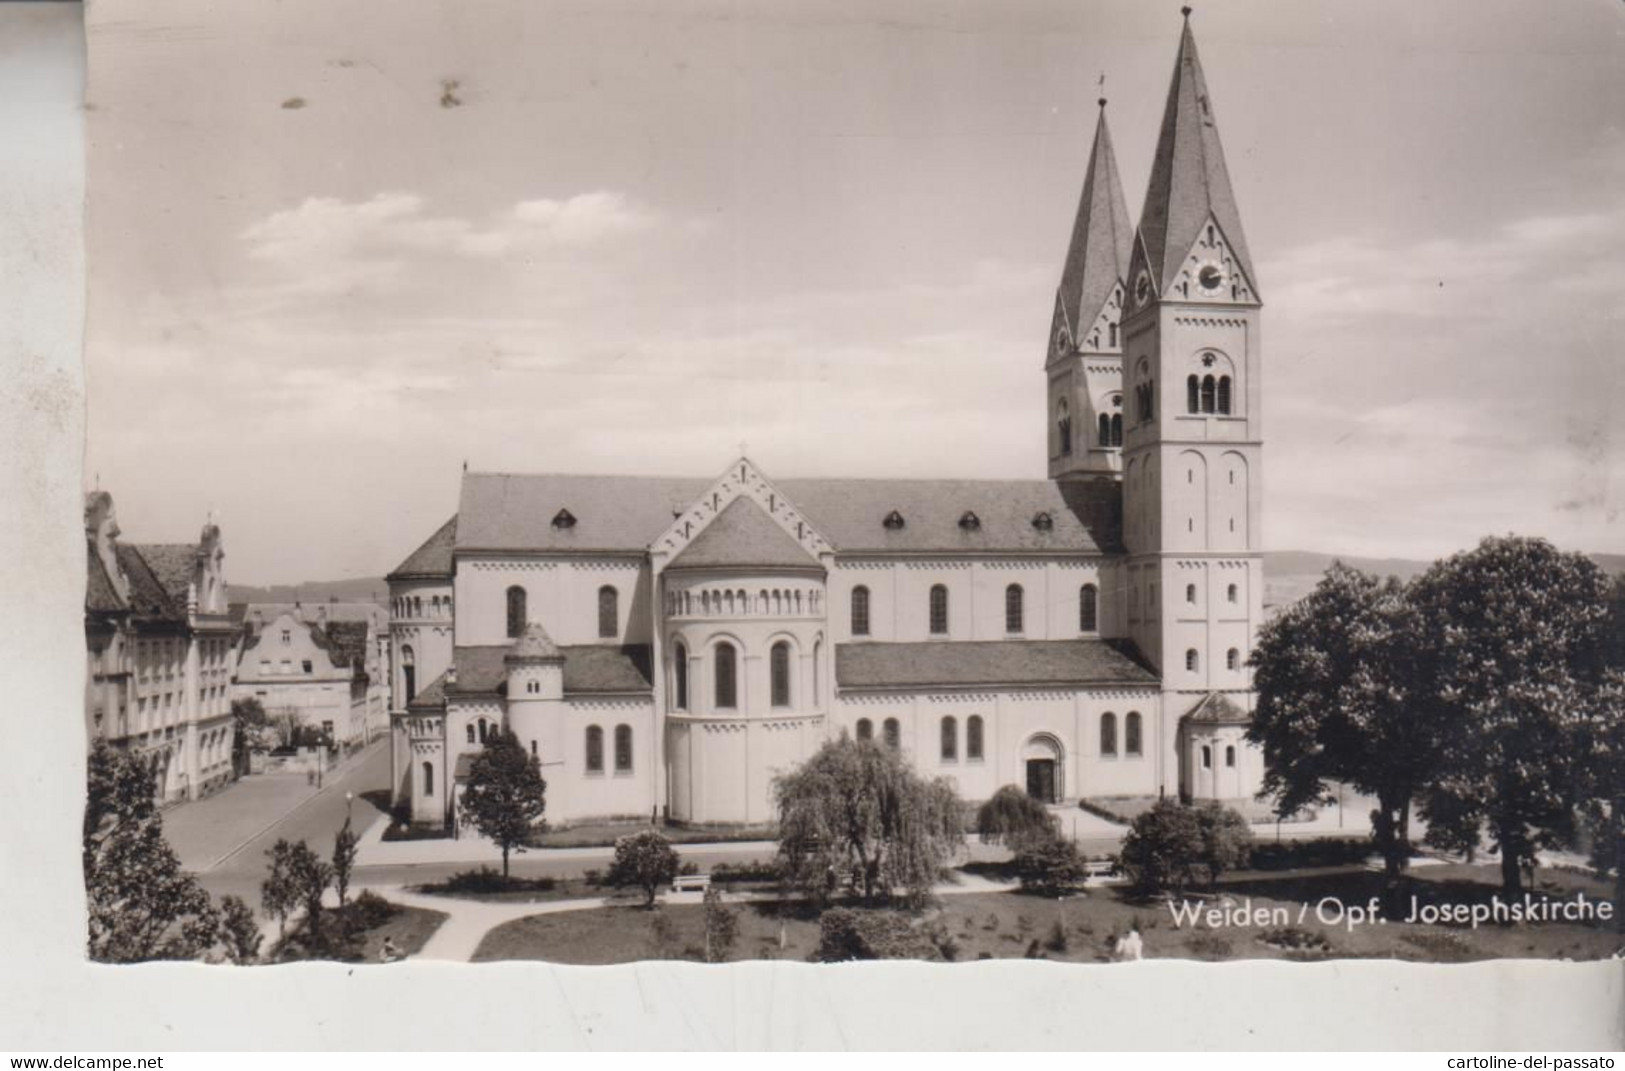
361,589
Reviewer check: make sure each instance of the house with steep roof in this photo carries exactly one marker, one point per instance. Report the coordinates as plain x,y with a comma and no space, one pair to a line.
321,666
159,644
666,647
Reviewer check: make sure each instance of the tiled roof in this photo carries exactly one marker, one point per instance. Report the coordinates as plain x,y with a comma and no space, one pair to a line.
433,558
588,668
100,594
628,513
147,595
1018,662
174,565
534,642
1097,259
1189,181
1216,708
430,698
743,535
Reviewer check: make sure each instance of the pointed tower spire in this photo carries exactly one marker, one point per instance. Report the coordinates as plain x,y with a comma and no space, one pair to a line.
1190,186
1097,261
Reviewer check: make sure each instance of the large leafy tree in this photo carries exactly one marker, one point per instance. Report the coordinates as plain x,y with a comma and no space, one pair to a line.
142,905
1163,848
856,811
1339,700
644,859
1012,817
1513,635
505,795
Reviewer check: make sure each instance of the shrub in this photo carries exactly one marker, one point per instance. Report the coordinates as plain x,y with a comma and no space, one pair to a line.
1295,939
739,873
372,909
1011,816
1320,851
1168,846
1049,865
721,927
1226,838
644,859
1057,939
844,934
487,880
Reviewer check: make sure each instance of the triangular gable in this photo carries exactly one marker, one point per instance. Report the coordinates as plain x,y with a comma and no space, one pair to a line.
741,480
1211,271
743,535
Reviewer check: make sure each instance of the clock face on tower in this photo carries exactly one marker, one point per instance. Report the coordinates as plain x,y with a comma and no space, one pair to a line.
1142,287
1211,277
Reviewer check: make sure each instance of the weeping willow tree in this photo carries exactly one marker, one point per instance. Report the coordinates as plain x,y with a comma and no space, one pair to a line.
854,815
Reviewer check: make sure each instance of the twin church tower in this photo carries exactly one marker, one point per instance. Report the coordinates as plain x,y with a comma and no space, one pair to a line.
1154,379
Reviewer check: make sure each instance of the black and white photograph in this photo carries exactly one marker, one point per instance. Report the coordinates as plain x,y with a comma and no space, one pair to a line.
1084,481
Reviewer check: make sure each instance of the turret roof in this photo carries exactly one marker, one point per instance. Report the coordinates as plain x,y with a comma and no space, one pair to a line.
1189,181
534,642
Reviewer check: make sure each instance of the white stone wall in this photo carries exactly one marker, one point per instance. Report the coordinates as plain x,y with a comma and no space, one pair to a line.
561,592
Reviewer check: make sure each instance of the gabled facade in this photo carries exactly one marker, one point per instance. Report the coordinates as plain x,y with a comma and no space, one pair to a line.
159,644
324,666
666,647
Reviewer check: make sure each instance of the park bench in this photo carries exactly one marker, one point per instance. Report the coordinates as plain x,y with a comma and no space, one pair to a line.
1100,868
691,883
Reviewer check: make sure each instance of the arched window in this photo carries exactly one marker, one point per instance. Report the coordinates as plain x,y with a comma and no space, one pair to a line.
1190,593
1193,661
1208,391
973,738
866,729
727,677
409,674
1224,394
939,610
1013,608
1207,757
1193,394
779,672
516,611
1108,733
623,749
595,749
1105,430
485,732
950,739
428,779
1117,430
1232,659
470,732
1063,425
1088,608
1131,733
893,733
1231,593
679,659
1230,755
609,613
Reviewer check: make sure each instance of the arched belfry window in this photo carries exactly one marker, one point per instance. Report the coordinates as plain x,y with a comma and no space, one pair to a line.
727,677
860,611
779,670
939,610
1209,393
609,612
1193,394
1224,394
1063,427
516,611
1088,609
679,657
1013,608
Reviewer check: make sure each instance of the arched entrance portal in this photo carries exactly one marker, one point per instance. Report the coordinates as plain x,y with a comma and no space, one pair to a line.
1046,780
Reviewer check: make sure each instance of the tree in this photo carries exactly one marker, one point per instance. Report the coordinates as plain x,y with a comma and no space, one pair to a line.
1339,699
855,810
1049,864
1011,816
1162,848
644,859
344,851
142,905
1227,840
721,926
298,879
251,730
239,933
505,794
1513,635
279,896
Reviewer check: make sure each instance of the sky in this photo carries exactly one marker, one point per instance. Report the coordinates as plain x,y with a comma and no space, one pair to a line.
338,250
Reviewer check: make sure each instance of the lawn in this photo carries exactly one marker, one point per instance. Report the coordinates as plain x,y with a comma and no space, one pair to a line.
409,927
1007,925
604,834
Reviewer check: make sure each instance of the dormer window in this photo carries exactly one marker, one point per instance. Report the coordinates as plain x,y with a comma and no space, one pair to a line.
564,519
970,522
894,521
1043,522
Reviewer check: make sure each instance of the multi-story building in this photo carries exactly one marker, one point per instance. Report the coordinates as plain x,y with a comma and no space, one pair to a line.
159,640
323,666
666,646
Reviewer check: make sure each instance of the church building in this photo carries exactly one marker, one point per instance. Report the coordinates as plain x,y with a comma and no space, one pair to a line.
666,647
